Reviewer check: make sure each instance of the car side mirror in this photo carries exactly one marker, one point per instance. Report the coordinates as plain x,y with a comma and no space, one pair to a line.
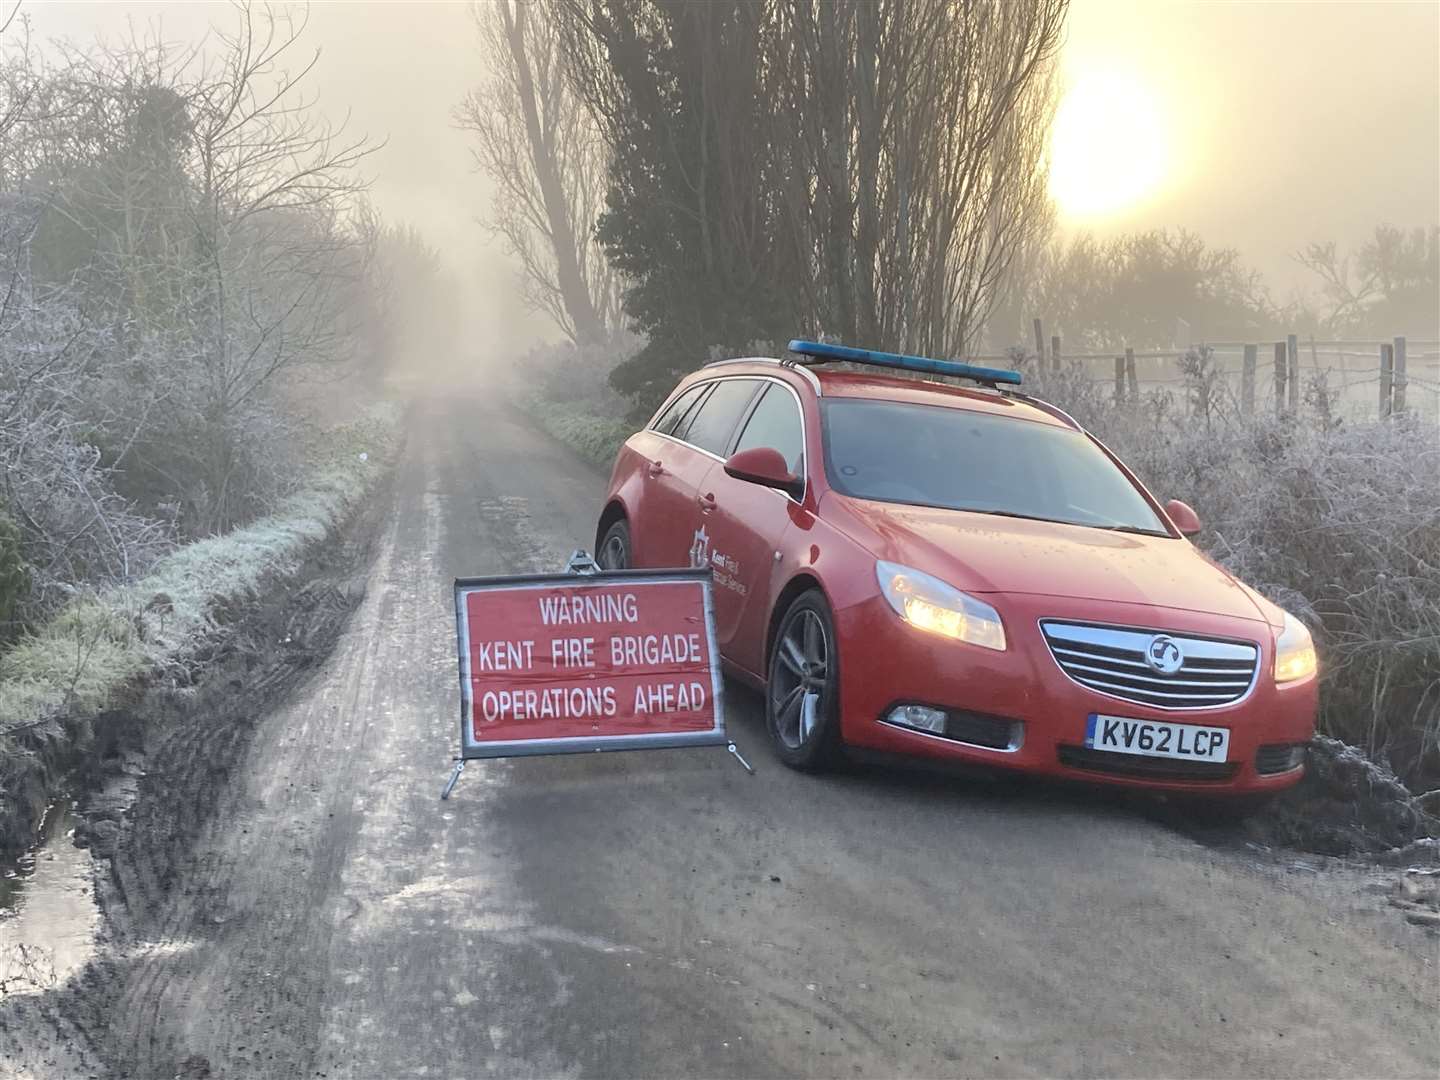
1185,519
765,466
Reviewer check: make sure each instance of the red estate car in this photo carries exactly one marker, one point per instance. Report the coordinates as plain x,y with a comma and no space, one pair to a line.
917,567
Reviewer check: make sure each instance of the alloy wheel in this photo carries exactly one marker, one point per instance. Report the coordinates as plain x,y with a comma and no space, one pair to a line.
800,682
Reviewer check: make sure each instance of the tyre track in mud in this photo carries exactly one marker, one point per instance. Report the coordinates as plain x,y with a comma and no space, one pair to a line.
160,881
175,906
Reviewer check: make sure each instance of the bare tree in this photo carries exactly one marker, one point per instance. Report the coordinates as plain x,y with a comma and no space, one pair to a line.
978,130
915,134
273,181
207,210
1389,284
540,147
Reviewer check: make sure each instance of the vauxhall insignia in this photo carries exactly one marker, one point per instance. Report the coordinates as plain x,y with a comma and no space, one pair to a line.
1164,655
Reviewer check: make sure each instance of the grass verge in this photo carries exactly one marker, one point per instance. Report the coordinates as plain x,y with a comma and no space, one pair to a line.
83,661
592,435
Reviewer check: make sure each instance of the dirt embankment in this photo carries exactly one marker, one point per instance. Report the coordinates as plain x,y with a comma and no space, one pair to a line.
35,762
151,774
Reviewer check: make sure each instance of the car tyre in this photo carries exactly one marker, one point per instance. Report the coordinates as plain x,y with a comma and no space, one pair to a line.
802,694
614,553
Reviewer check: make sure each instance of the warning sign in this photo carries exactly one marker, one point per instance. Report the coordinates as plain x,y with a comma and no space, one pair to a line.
567,663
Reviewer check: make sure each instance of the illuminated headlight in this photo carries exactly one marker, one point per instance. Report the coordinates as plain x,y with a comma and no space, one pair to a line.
927,603
1294,652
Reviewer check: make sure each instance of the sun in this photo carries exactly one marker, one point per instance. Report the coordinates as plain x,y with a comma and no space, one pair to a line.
1108,148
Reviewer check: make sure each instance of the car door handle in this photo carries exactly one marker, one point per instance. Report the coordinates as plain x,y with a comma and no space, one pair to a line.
655,468
707,502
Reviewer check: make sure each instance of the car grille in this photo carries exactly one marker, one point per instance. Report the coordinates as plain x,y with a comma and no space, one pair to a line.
1111,660
1077,757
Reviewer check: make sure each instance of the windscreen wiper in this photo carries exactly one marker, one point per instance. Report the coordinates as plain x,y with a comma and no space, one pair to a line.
1012,514
1134,529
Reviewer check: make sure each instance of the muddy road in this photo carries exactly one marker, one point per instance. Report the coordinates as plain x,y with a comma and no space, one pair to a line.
666,914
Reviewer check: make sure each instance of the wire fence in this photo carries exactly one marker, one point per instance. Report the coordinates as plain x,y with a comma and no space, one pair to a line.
1359,378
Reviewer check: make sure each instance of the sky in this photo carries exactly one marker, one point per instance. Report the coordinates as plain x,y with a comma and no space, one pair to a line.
1282,122
1260,126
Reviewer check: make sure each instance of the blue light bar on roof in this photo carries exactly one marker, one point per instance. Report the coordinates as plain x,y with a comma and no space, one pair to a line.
821,352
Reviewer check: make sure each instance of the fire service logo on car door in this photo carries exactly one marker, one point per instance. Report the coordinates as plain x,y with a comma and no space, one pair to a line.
725,569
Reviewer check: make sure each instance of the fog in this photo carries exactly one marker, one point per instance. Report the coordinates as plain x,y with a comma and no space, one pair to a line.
1286,123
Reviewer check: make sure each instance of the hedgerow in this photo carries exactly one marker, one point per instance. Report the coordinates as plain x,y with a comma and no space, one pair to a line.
78,661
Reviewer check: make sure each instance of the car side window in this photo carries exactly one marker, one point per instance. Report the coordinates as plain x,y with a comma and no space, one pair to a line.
719,413
671,418
775,422
682,426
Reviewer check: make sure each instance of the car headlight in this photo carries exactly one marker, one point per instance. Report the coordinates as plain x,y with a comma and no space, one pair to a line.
927,603
1294,652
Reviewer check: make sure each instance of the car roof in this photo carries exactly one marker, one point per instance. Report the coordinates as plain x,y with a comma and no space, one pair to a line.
833,383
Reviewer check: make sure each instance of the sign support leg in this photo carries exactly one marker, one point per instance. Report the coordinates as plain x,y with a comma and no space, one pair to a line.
454,778
739,757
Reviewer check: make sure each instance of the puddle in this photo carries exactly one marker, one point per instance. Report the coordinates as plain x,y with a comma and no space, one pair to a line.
48,915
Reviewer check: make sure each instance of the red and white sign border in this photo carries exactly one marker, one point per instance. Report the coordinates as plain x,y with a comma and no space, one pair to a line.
472,749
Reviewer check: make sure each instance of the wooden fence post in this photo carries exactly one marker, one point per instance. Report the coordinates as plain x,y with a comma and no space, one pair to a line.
1119,380
1282,365
1039,344
1387,372
1247,381
1131,380
1397,389
1055,352
1292,351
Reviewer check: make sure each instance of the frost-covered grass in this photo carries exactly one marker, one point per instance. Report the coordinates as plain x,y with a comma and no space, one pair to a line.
595,437
566,389
80,660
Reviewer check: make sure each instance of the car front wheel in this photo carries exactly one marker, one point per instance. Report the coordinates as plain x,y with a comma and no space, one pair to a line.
802,699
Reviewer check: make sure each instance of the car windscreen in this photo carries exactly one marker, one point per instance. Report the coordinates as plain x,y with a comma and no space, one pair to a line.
961,459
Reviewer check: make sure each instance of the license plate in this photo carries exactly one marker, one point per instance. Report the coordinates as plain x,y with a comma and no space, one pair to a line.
1155,738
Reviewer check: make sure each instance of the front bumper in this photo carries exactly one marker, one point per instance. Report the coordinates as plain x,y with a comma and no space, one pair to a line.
885,663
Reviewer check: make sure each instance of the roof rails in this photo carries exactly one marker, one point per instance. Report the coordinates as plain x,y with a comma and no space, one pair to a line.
809,375
815,352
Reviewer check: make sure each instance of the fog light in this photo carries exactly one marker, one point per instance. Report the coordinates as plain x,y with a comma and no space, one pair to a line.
919,717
